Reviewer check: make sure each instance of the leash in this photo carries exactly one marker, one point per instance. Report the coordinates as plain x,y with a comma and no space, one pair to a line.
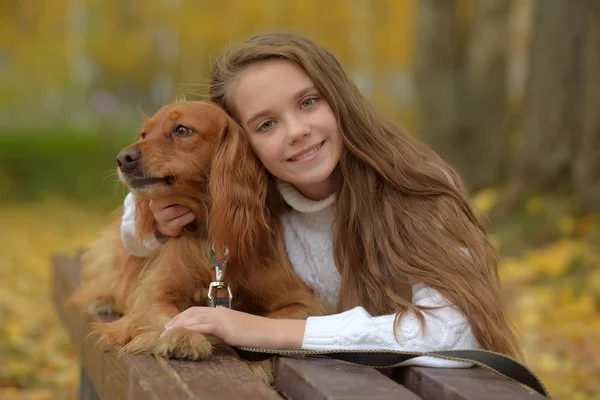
498,363
219,261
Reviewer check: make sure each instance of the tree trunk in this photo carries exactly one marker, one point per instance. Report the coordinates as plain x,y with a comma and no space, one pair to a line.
167,41
80,68
485,151
552,125
360,36
462,97
439,70
587,162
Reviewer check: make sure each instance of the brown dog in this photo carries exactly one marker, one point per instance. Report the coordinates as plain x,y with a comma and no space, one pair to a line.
183,150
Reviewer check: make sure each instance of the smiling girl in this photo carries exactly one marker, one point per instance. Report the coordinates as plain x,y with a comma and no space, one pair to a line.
376,223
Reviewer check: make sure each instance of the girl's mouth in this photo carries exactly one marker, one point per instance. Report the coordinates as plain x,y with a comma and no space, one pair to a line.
308,154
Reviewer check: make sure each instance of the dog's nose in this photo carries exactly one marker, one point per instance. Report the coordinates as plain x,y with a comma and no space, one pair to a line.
128,160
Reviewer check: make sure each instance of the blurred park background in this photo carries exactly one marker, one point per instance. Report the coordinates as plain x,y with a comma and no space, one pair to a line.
507,91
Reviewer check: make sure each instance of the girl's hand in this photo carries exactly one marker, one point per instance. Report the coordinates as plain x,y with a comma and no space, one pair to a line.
241,329
170,218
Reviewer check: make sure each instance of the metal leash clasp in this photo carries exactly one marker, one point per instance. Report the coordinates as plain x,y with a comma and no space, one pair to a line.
219,263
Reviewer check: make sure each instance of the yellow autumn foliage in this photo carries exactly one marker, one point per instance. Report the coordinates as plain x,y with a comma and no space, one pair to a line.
552,294
38,361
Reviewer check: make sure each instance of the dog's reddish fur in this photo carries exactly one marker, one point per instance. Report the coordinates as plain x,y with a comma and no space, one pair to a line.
150,291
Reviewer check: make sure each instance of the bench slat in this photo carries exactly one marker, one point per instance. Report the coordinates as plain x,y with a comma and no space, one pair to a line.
144,377
462,384
324,379
224,377
95,356
65,278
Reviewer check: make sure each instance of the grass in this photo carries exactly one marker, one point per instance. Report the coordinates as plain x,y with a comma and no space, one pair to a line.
79,166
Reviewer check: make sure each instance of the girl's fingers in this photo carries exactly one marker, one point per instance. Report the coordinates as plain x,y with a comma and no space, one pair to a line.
177,320
174,226
193,313
173,212
185,219
204,328
157,205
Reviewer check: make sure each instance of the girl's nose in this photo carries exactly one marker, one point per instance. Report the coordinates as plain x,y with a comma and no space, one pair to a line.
298,129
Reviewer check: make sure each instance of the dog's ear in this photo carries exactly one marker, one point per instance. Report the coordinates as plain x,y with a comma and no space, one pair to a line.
238,187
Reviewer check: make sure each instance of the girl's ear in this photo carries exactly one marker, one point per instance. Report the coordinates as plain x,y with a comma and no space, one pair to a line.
238,188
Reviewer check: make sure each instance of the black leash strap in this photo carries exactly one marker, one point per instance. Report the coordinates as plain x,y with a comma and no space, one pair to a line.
495,362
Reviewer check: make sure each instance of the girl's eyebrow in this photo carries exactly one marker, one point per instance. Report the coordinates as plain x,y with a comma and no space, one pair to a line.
301,93
304,91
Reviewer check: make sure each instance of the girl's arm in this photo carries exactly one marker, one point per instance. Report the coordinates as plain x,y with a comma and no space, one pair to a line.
139,248
445,329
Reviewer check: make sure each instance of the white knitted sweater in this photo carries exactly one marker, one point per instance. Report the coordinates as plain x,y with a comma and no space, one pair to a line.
307,230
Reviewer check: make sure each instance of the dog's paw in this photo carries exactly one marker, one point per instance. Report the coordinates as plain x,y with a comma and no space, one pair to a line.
184,344
120,332
141,343
102,306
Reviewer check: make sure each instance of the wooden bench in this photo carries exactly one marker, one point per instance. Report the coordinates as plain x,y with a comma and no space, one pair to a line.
105,375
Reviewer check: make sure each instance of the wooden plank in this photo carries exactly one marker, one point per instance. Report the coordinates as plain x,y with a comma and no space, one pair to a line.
149,376
112,376
115,377
86,389
224,377
461,384
143,377
322,379
65,278
119,376
92,354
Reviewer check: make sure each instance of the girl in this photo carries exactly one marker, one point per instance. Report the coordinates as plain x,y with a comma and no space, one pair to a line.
376,223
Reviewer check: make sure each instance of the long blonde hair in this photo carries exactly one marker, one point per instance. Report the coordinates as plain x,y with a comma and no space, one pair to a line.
403,213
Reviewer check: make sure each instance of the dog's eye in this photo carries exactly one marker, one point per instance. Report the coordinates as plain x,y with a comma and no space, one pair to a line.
143,135
183,131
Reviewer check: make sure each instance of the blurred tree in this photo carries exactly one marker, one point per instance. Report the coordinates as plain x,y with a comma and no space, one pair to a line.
80,68
561,123
360,37
553,98
438,76
461,81
587,162
485,145
166,54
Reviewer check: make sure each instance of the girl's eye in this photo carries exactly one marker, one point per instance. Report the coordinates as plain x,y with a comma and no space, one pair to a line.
266,126
309,102
183,131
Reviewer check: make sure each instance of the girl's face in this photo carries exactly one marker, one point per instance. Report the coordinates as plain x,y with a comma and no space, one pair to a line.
291,127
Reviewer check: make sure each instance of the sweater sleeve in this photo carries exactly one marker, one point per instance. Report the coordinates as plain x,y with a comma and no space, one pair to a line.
446,328
137,247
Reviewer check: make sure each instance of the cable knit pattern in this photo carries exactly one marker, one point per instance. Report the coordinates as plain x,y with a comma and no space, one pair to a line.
308,239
